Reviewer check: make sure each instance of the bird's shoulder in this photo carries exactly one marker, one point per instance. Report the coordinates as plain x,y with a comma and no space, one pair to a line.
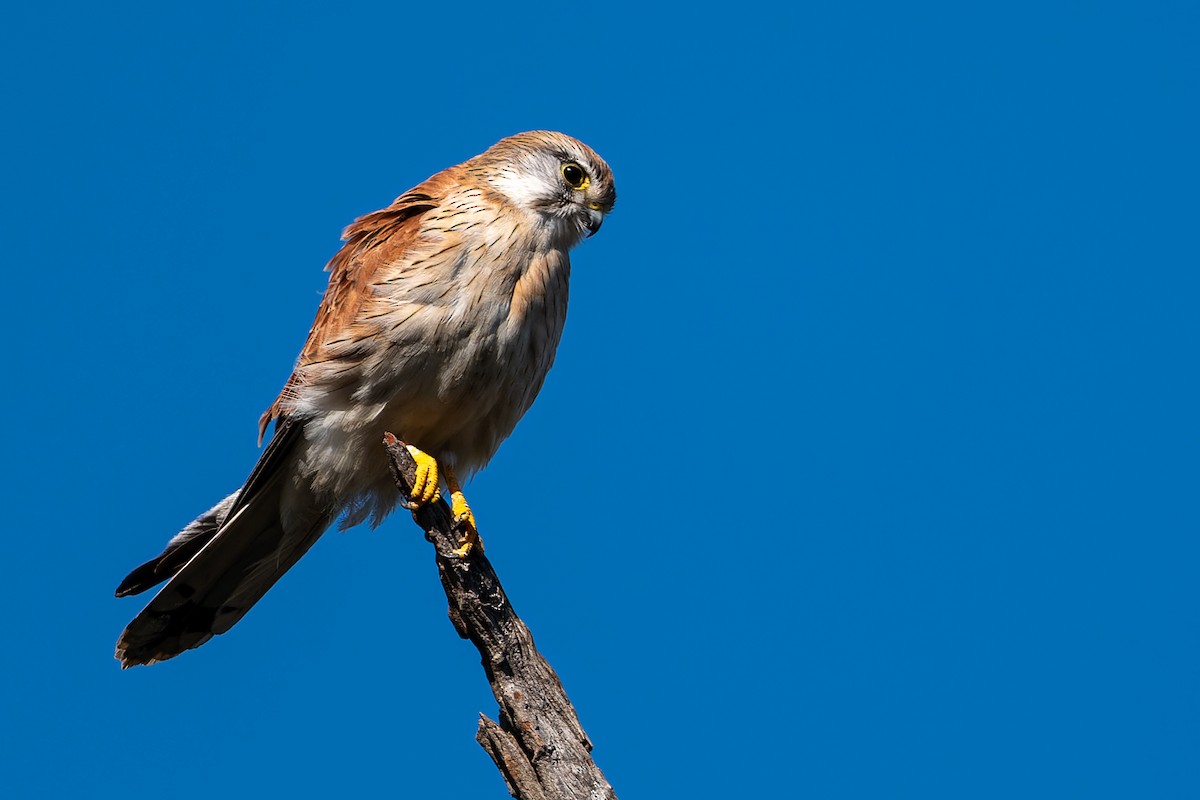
373,244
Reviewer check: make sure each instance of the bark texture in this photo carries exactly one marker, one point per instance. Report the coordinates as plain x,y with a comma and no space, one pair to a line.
538,744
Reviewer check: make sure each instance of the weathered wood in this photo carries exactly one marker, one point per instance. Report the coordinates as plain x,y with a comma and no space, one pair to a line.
538,744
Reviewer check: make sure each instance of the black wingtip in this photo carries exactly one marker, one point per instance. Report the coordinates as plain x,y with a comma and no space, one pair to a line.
141,579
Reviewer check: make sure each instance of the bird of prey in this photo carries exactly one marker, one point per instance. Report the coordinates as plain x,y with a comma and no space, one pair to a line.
439,323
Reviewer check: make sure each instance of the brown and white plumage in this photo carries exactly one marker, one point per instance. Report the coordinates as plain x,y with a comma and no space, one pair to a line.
440,322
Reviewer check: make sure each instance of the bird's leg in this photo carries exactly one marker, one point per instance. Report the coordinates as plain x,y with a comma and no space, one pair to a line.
425,490
463,518
425,484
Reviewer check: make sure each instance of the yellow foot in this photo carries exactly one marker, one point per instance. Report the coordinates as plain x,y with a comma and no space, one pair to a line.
464,519
425,486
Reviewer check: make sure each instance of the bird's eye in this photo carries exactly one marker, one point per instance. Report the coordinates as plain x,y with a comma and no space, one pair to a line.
574,175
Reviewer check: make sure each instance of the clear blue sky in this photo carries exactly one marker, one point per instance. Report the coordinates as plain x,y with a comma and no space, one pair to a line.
868,468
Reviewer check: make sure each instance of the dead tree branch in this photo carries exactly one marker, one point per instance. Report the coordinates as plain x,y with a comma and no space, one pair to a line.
538,744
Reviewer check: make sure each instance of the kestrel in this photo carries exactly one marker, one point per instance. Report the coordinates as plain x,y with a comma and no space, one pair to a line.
439,323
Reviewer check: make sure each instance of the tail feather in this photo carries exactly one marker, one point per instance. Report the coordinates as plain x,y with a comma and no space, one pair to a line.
229,558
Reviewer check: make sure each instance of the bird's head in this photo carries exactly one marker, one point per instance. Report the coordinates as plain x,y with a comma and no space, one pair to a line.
555,176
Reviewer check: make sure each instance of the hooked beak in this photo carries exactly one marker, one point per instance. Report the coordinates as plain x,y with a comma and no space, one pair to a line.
594,221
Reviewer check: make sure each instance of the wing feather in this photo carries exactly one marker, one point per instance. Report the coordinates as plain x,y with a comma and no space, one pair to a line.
372,243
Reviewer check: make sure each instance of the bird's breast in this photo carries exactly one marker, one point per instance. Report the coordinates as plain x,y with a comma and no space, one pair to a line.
461,364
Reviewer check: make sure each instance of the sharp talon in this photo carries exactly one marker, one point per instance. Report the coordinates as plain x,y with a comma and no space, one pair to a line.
469,542
464,519
425,483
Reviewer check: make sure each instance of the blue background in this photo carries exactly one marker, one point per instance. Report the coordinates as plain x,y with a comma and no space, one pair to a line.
868,467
